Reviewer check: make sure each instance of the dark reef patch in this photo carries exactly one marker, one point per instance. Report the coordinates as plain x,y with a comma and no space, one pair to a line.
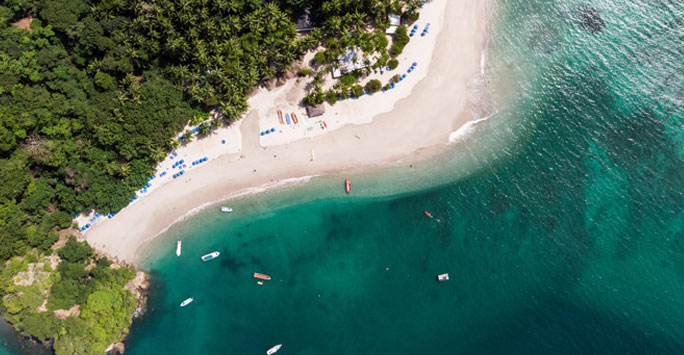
590,19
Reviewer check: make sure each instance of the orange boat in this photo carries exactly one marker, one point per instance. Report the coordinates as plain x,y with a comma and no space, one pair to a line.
347,186
261,276
280,117
294,118
428,214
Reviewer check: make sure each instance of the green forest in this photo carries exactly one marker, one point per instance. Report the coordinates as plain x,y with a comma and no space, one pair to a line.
92,94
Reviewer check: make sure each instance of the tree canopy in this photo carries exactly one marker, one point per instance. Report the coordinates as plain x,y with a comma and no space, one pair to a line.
92,96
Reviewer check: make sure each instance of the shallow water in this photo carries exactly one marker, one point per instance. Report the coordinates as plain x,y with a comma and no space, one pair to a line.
559,218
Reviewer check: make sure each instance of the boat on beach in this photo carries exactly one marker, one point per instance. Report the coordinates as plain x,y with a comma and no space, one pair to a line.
187,302
280,117
210,256
226,209
294,118
178,248
347,186
273,349
261,276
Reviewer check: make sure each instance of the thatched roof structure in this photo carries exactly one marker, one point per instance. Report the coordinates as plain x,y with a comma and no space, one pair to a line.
314,111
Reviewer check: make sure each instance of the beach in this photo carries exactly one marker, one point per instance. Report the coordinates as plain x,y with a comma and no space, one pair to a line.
412,123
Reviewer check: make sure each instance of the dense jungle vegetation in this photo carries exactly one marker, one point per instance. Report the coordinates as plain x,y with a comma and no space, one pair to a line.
92,94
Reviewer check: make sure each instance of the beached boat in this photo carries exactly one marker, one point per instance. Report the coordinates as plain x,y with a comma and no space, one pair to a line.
210,256
287,118
280,117
178,248
273,350
226,209
261,276
187,302
428,214
443,277
347,186
294,118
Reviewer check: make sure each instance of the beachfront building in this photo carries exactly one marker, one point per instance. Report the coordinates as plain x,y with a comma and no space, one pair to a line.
350,61
394,21
315,111
304,22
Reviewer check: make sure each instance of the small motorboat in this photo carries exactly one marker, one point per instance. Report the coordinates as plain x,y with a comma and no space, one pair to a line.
178,248
294,118
280,117
428,214
261,276
187,302
210,256
226,209
260,283
347,186
443,277
273,350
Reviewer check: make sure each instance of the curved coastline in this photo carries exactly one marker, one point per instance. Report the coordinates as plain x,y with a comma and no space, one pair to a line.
400,134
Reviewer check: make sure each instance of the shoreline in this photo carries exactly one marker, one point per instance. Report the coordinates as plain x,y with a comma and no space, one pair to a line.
400,134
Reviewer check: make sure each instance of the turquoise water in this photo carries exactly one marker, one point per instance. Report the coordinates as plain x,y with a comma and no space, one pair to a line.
559,219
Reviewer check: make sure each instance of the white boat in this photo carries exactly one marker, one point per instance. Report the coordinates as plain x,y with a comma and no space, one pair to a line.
187,302
212,255
443,277
226,209
273,349
178,248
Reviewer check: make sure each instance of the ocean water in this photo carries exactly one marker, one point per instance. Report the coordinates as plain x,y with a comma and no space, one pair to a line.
559,217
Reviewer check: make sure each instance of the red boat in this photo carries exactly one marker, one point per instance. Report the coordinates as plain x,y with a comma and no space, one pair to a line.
347,186
294,118
261,276
280,117
428,214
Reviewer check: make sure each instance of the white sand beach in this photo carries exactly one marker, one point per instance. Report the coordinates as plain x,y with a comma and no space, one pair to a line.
413,120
